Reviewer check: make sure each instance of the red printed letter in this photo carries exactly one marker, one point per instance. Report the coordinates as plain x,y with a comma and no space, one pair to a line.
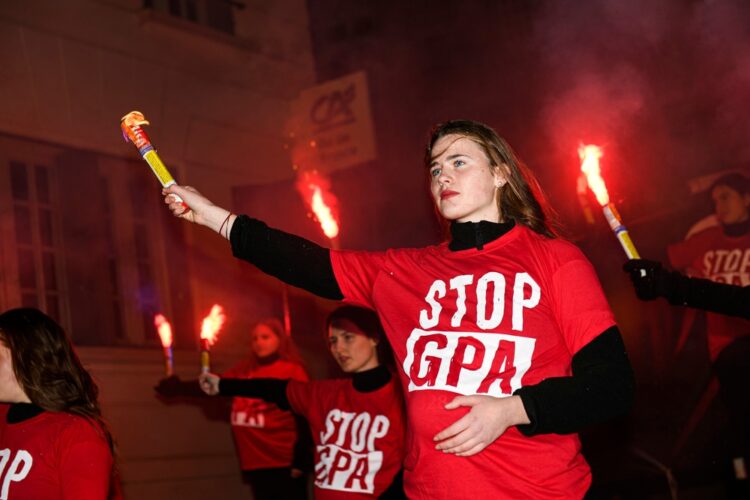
458,361
360,473
341,462
433,363
502,368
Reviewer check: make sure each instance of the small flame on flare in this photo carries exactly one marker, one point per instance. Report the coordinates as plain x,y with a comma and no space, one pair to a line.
212,324
327,221
590,155
164,329
314,189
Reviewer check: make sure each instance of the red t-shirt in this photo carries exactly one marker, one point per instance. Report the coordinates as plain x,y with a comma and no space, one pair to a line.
53,455
713,255
482,322
359,437
264,434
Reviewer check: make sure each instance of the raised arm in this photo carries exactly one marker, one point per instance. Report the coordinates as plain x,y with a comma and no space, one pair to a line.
198,209
651,281
271,390
294,260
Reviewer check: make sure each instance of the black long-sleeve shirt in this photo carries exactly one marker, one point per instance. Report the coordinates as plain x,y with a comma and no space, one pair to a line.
601,386
273,390
722,298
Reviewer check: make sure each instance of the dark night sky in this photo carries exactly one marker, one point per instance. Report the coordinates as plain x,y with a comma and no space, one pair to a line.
661,85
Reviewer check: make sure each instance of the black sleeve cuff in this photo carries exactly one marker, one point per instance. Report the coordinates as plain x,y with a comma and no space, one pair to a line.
302,458
294,260
174,387
272,390
602,387
721,298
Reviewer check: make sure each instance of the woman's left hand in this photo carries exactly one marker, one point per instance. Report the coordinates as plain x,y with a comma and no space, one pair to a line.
487,420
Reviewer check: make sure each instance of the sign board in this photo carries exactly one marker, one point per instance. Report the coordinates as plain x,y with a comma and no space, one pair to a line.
331,125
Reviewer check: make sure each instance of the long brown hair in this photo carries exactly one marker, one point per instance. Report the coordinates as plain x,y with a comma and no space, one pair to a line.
521,198
47,367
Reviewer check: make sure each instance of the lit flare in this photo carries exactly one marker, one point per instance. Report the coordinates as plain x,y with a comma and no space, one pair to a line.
316,192
164,329
212,324
165,334
323,212
132,130
590,156
210,333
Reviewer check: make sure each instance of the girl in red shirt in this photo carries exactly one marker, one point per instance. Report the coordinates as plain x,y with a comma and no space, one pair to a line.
264,434
54,443
272,444
357,423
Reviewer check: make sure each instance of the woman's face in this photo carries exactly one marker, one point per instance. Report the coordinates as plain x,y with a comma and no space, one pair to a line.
731,207
10,389
463,184
353,350
263,341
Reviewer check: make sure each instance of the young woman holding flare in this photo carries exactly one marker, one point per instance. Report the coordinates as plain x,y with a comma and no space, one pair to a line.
506,344
264,434
357,423
271,449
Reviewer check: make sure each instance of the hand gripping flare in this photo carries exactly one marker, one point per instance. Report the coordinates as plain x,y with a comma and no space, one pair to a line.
133,132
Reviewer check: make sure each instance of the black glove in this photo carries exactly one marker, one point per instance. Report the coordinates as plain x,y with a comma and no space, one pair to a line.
649,278
681,290
174,387
170,387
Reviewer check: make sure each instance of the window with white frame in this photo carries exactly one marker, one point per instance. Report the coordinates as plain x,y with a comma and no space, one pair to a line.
36,236
81,238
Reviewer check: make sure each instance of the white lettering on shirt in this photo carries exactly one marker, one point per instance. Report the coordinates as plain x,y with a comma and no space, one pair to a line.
490,290
459,284
17,471
727,266
347,457
467,362
437,291
251,414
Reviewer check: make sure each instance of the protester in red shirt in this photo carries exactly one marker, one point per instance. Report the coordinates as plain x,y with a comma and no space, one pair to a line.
721,254
271,449
54,443
718,262
357,423
265,435
505,342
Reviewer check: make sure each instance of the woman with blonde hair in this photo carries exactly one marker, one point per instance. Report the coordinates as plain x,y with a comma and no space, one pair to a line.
272,444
